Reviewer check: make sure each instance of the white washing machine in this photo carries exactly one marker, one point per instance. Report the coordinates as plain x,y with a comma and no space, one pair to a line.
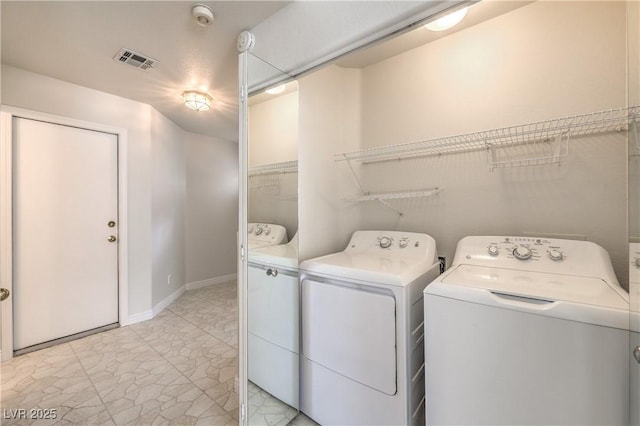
274,317
265,234
362,330
527,331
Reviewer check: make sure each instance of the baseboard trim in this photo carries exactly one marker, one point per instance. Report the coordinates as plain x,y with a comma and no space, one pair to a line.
147,315
211,281
168,300
136,318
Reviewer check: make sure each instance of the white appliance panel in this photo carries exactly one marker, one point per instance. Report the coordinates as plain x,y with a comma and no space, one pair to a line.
488,365
321,389
273,306
368,258
547,286
568,257
351,332
527,331
274,369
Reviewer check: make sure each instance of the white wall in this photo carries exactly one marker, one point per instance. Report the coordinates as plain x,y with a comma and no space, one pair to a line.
168,193
273,129
329,123
273,138
544,60
211,210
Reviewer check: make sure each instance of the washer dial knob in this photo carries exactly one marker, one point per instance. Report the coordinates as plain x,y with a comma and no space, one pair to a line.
493,250
385,242
403,243
258,231
267,231
555,255
522,253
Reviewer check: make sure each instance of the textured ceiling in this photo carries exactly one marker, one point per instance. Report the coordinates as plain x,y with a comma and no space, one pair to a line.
75,41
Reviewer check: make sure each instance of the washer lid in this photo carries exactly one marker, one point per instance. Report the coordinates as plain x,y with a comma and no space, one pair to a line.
284,255
368,268
540,285
583,299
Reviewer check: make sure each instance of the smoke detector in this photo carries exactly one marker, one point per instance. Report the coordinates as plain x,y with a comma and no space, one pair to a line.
202,14
135,59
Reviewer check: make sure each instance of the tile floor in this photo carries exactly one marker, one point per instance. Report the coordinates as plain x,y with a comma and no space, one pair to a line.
178,368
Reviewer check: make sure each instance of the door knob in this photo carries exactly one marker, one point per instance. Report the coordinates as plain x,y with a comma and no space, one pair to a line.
111,238
4,293
636,352
272,272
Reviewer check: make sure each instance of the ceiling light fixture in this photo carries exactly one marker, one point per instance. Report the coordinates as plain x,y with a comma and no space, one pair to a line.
197,101
202,14
276,90
447,21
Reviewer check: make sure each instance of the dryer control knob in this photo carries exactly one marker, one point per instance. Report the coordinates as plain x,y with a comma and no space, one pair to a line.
258,231
556,255
385,242
403,243
267,231
522,253
493,250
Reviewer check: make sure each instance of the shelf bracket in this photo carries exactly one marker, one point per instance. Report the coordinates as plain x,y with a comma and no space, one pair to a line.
384,203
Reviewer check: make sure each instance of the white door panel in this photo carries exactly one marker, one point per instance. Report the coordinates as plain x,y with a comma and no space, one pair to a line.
65,191
352,332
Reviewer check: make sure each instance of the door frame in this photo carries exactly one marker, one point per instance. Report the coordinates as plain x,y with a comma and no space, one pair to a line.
7,114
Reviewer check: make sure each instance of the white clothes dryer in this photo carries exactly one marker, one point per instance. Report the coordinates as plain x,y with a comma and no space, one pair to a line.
273,320
265,234
362,330
527,331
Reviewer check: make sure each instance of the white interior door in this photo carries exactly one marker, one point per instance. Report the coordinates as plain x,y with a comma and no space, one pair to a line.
65,250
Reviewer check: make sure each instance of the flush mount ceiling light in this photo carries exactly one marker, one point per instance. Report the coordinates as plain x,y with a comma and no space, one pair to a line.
276,90
447,21
202,14
197,101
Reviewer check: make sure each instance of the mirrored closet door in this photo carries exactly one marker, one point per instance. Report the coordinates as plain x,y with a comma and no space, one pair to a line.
272,262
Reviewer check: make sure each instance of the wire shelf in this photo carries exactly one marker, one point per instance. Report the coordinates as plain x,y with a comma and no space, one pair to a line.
274,168
385,197
536,143
395,195
259,181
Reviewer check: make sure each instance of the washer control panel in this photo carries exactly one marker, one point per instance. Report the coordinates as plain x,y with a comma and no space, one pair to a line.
522,248
267,233
398,241
574,257
393,244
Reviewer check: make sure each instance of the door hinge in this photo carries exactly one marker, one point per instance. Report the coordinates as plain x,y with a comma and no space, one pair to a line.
243,95
242,252
243,412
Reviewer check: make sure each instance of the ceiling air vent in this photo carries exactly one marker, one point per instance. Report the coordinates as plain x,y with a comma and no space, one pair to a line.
135,59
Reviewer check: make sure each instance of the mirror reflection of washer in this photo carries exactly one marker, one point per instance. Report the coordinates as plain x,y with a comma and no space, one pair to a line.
265,234
527,331
362,330
273,331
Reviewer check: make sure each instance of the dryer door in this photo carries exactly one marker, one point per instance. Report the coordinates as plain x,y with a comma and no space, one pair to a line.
351,331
